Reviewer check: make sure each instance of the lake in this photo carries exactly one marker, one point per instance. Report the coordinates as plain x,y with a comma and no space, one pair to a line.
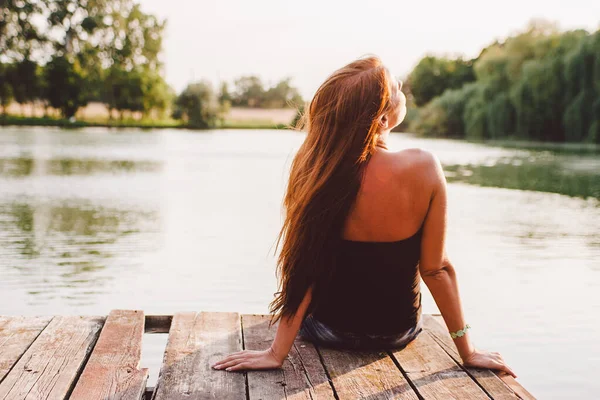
169,220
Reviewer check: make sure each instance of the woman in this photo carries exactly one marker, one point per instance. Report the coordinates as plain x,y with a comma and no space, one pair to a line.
363,225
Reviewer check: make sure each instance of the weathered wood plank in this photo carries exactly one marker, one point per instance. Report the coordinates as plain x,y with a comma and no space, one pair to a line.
498,385
321,387
16,335
50,366
434,374
112,370
365,374
196,341
293,380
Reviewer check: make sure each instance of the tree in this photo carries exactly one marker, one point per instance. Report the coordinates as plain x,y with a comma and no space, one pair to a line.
198,106
539,84
224,99
124,89
282,95
65,85
224,95
19,37
110,48
133,38
134,41
6,93
248,92
432,76
25,81
156,93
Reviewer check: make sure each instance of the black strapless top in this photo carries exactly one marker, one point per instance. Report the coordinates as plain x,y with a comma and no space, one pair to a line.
375,288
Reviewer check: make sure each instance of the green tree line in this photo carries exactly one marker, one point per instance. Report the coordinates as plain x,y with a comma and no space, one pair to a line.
64,54
200,106
541,84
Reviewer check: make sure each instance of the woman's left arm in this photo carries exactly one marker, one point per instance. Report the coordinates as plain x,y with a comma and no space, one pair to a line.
274,356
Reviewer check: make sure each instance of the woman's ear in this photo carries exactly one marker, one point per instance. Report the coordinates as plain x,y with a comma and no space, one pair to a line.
384,122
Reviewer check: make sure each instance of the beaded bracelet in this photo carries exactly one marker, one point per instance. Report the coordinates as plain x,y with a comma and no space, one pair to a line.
460,332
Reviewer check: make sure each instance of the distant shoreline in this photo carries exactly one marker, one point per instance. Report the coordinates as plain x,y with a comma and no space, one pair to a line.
11,120
97,115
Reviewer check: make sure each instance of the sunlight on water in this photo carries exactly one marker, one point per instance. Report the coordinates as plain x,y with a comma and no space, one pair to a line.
166,221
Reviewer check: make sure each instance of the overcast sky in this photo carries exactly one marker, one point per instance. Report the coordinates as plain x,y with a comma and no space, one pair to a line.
307,40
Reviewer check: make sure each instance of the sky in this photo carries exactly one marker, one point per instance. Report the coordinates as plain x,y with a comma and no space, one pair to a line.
307,40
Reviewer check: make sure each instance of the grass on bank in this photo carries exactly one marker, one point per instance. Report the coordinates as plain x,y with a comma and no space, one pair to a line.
12,120
555,147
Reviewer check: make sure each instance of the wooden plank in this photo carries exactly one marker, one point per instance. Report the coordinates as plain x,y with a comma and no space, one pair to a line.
112,371
158,323
498,385
434,373
50,366
365,374
293,380
196,341
321,387
16,335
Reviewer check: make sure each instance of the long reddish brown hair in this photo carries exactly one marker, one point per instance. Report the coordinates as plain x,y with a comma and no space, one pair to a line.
342,124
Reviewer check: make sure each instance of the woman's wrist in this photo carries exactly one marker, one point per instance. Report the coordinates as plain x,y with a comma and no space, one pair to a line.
465,347
277,356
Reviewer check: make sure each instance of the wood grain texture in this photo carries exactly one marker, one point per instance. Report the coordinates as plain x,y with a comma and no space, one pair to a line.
321,386
112,370
196,341
293,380
498,385
16,335
50,366
434,373
365,375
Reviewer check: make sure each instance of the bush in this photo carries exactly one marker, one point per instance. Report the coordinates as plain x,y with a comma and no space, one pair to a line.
444,116
198,106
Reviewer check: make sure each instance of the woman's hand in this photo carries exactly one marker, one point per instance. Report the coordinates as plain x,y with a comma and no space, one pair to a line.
250,359
491,360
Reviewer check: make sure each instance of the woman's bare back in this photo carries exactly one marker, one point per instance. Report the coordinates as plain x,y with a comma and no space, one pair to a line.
394,197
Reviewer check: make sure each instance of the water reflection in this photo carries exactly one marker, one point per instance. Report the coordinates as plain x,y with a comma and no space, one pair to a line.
70,250
26,166
542,171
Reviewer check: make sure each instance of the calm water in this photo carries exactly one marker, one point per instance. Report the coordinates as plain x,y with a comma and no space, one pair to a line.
167,221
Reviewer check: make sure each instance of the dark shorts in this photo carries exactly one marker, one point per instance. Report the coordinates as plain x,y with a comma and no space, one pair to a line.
320,334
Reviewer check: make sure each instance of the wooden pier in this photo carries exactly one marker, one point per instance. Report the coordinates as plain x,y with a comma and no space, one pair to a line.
94,358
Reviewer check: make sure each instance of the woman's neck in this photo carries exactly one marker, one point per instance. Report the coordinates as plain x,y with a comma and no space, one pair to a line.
382,140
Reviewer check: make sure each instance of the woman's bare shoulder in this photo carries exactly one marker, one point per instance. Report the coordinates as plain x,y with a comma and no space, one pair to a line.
417,162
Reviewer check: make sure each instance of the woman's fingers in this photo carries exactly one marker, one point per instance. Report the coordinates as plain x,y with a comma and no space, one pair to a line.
226,359
228,363
240,366
492,360
223,361
229,358
503,367
509,371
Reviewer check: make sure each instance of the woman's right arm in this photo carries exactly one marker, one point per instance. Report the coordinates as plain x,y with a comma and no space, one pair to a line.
439,274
